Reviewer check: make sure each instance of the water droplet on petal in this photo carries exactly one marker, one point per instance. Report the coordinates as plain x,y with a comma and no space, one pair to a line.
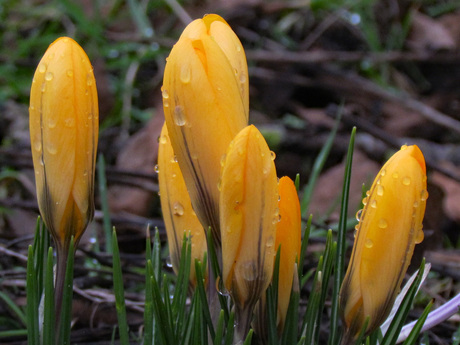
403,147
242,78
424,195
383,172
406,181
272,155
358,215
383,224
380,190
163,139
49,76
222,159
156,168
52,149
249,271
220,287
419,236
395,175
270,242
69,73
37,145
185,74
178,209
219,185
415,204
165,93
42,68
374,204
368,244
179,116
364,201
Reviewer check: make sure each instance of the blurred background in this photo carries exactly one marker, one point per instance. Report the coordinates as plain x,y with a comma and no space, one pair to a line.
391,68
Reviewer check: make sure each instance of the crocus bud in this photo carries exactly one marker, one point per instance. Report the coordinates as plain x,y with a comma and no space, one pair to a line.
249,213
205,101
178,214
390,225
64,132
288,235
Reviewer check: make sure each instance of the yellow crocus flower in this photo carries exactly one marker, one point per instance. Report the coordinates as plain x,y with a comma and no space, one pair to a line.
205,101
178,214
390,225
64,133
288,235
248,216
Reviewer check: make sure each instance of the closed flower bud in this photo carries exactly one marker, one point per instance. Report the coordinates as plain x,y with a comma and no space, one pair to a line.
288,235
389,227
248,218
178,214
64,133
205,101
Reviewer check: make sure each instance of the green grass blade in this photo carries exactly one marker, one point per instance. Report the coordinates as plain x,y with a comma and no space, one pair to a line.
119,292
49,332
272,302
290,331
148,308
202,294
32,300
220,328
398,321
341,245
107,224
14,308
414,334
303,248
248,339
67,295
230,329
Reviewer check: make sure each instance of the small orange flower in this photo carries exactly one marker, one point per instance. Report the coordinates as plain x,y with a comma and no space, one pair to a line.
64,133
389,227
288,235
205,101
178,213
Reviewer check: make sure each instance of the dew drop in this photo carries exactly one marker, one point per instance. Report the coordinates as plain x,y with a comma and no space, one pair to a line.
49,76
165,93
168,262
156,168
380,190
163,139
85,172
38,145
69,73
383,224
222,159
358,215
42,163
242,78
178,209
383,172
424,195
355,232
368,244
179,116
185,74
368,193
265,171
272,155
52,122
89,81
220,287
270,242
406,181
364,201
395,175
52,149
373,204
419,236
219,185
238,48
403,147
43,88
416,204
42,68
69,122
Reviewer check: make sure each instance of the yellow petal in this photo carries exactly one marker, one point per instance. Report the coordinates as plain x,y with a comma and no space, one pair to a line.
204,110
178,214
390,226
248,202
64,132
288,235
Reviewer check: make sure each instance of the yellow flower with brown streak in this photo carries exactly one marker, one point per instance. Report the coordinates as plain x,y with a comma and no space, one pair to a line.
248,217
390,225
178,214
64,122
205,101
288,235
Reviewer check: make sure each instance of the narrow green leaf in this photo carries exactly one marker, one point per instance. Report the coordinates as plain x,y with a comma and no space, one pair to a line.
303,248
414,334
49,332
14,308
220,328
32,300
230,329
67,295
119,292
148,308
204,302
248,339
341,244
